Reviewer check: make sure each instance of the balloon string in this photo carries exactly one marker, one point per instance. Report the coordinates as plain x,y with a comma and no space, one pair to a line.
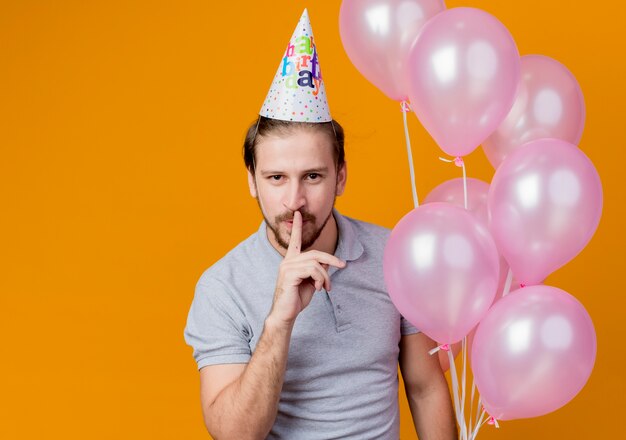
479,423
405,109
478,407
455,387
459,162
470,425
507,284
464,349
464,181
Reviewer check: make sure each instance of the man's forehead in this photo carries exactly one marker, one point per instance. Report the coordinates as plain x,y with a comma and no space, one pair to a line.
298,149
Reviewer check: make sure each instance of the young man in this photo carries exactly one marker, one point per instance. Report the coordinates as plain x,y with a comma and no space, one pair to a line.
293,330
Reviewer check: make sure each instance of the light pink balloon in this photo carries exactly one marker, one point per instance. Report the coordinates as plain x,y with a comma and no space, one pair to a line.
452,191
499,296
463,73
532,352
444,361
549,104
377,36
545,203
441,270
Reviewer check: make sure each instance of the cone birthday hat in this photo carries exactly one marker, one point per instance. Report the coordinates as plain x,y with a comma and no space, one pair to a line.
297,92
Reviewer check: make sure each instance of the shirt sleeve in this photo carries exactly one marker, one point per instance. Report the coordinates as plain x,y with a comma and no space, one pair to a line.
406,328
217,329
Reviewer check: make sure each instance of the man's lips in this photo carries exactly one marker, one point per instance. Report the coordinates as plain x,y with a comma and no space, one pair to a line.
290,222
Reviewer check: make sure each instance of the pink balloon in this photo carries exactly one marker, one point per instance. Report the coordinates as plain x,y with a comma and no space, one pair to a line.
549,104
532,352
544,204
444,361
441,270
463,73
377,36
452,191
499,295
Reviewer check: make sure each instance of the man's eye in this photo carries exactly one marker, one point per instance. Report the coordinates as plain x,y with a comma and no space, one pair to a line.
313,176
276,177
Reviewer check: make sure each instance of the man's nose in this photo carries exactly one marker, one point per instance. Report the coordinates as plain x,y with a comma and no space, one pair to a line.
295,198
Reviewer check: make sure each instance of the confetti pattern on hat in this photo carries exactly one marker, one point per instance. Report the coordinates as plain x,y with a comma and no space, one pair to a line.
297,92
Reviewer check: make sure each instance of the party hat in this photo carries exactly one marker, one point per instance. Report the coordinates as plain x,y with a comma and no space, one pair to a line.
297,92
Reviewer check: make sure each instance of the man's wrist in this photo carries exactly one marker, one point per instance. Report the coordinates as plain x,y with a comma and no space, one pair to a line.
275,323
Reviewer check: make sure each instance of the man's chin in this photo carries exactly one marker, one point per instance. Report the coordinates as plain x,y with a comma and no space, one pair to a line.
286,238
310,232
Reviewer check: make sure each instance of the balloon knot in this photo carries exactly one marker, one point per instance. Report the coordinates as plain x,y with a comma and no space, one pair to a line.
522,285
492,421
444,347
405,107
458,161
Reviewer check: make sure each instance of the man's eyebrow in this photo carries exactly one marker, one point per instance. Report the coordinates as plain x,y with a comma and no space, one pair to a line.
271,173
319,170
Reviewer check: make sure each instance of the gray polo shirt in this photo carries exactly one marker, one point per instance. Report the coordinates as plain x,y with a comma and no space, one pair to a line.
341,379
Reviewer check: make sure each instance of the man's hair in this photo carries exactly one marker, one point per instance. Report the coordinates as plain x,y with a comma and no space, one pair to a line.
266,126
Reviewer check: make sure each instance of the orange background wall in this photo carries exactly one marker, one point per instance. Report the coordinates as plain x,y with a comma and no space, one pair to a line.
121,179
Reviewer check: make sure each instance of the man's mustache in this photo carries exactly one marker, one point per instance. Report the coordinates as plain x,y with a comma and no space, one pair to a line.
288,216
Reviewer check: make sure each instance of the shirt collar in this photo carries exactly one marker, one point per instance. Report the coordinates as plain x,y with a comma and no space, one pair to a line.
349,247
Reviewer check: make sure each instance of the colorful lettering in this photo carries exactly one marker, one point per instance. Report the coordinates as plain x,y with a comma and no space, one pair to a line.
317,81
306,79
314,66
302,61
289,51
288,67
300,65
304,45
291,82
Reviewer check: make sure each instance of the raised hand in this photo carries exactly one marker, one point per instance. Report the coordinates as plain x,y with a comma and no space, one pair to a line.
300,275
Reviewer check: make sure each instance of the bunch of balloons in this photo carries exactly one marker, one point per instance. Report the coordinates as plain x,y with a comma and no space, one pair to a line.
449,263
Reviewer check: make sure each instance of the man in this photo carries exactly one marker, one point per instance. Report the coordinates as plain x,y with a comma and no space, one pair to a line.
293,331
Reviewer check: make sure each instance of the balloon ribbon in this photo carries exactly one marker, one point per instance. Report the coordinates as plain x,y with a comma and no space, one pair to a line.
405,108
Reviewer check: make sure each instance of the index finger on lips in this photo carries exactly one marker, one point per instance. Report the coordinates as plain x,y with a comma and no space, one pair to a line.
295,240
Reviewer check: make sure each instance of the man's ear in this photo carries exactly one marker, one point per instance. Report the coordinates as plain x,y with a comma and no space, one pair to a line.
252,184
342,177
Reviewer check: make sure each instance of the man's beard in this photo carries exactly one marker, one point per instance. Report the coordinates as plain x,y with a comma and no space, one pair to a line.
307,240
